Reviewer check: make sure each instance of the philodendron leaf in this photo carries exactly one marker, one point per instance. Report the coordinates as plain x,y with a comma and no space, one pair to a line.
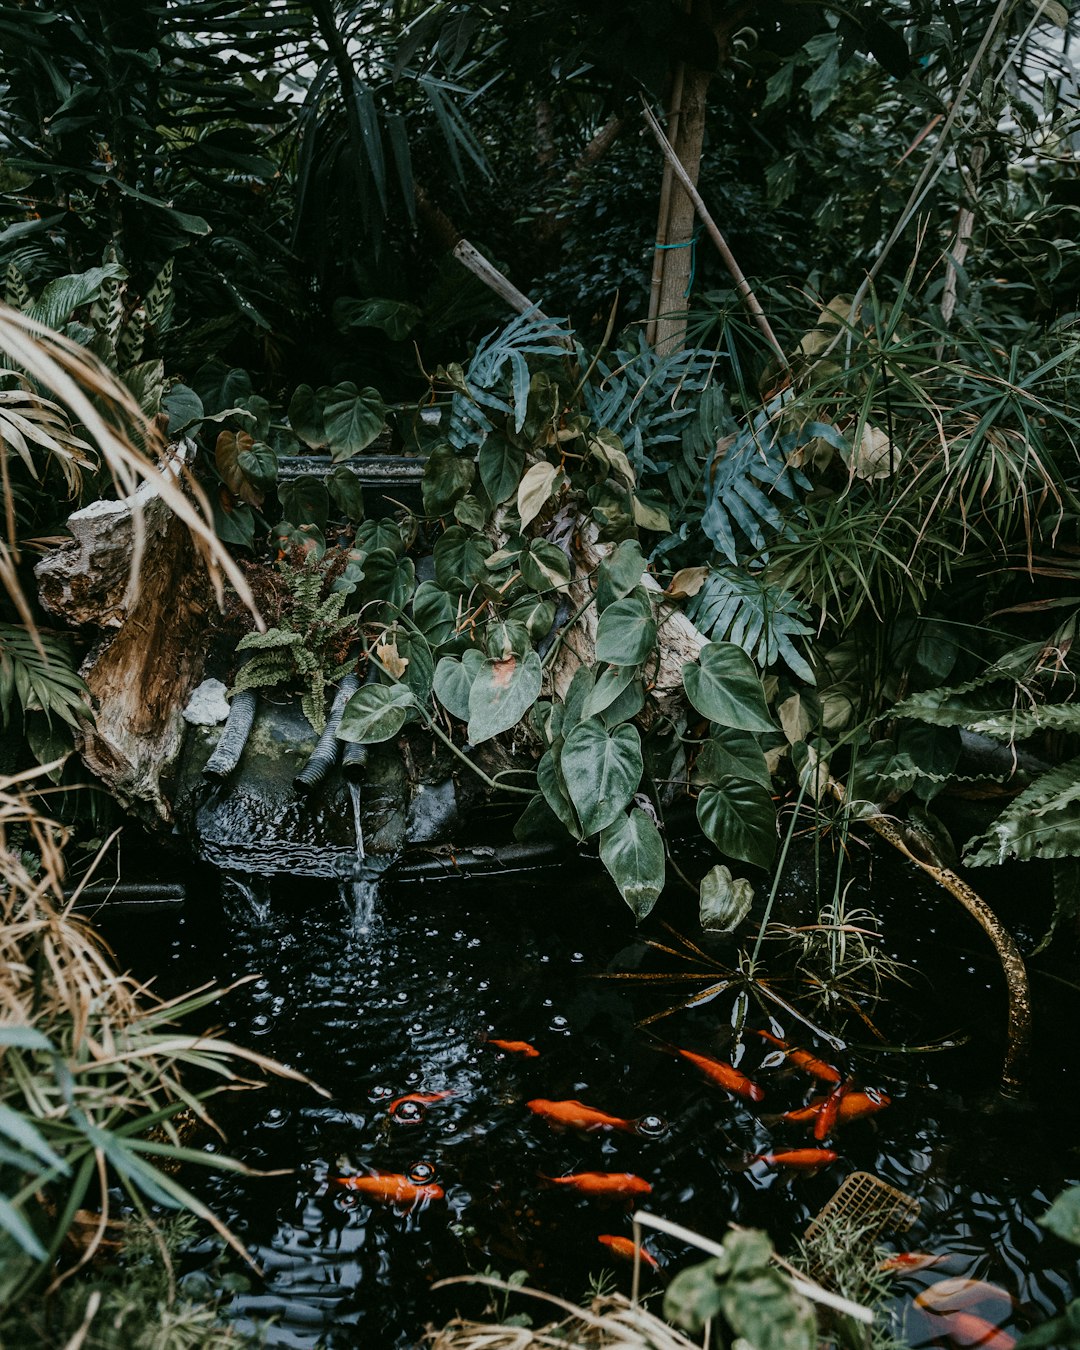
434,613
723,685
534,490
545,567
731,752
633,852
626,633
724,900
454,681
740,819
376,712
618,574
352,418
502,693
602,769
550,781
500,467
607,689
1063,1216
447,477
459,559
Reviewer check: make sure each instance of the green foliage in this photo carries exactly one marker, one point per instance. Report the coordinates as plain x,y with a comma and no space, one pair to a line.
310,643
1063,1220
37,673
756,1301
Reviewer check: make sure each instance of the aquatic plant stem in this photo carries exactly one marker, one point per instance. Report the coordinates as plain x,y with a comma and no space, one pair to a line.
1012,962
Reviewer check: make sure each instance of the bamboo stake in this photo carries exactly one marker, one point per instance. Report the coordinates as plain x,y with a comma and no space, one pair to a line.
491,276
741,283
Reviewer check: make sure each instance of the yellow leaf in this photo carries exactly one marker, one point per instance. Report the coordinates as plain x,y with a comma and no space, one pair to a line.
687,581
534,490
391,659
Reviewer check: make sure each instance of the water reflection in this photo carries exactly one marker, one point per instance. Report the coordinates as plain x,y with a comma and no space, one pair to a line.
395,1017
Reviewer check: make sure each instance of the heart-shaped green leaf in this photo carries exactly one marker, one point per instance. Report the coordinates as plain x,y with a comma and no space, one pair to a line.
551,783
607,689
454,680
633,852
602,769
502,693
545,567
459,559
500,467
447,477
626,633
723,685
740,819
434,613
346,493
352,417
724,901
376,712
304,501
618,574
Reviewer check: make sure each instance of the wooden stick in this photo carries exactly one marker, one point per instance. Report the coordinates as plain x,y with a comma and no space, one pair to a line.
741,283
490,275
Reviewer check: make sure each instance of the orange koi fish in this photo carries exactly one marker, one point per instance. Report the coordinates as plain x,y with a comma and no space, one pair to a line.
392,1188
957,1294
522,1048
725,1075
622,1246
804,1060
829,1112
576,1115
853,1106
602,1183
904,1263
967,1329
421,1099
801,1158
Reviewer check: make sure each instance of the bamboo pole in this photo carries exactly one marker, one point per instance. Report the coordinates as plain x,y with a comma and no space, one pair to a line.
741,283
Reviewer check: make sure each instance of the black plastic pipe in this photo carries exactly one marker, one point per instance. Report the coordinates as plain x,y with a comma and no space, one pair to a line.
354,756
325,755
233,737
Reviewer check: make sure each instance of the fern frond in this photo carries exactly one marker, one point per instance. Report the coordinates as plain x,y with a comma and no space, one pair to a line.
263,672
269,641
741,607
1042,822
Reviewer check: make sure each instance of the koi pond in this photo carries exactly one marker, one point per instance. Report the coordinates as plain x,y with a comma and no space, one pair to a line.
401,995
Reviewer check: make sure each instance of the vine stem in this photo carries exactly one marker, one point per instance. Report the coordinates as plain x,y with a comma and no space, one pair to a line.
561,635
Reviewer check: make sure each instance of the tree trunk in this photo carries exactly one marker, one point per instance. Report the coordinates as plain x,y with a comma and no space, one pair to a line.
676,233
142,672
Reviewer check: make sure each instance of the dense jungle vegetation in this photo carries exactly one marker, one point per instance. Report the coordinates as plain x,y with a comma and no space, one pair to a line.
852,465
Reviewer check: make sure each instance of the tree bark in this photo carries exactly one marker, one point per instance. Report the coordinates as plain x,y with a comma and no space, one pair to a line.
142,672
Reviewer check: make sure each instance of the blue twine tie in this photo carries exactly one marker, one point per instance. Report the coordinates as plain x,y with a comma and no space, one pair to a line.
691,244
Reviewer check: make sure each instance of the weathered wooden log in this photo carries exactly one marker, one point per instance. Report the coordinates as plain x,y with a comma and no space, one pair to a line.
142,672
678,640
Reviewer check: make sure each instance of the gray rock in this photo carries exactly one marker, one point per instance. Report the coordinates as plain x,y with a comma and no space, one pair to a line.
207,705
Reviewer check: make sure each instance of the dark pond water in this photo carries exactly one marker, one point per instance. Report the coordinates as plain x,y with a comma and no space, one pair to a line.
406,1003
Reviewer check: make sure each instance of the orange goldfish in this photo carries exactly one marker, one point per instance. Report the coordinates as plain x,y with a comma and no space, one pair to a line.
967,1329
909,1262
801,1158
392,1188
725,1075
957,1294
853,1106
829,1112
804,1060
603,1183
515,1047
576,1115
622,1246
421,1099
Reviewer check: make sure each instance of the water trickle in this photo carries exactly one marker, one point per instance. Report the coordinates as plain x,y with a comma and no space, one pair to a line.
246,898
358,823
